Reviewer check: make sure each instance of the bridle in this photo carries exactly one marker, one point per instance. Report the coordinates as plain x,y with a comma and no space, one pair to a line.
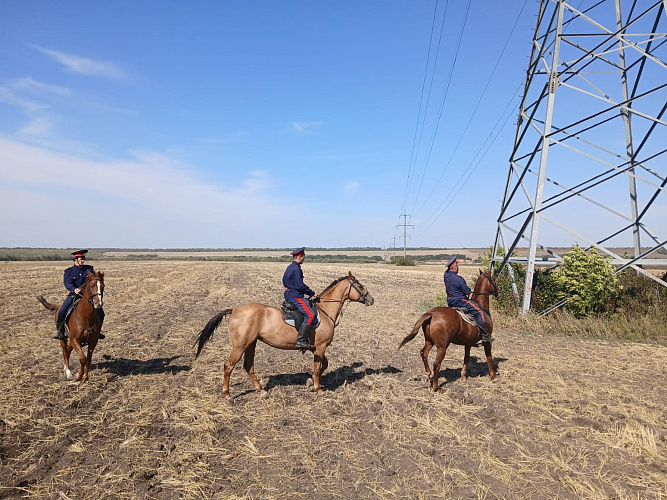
362,299
495,286
91,299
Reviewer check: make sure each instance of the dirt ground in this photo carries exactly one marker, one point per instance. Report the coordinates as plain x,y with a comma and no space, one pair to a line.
567,418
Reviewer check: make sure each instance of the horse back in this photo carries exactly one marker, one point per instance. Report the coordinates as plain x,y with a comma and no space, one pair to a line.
448,327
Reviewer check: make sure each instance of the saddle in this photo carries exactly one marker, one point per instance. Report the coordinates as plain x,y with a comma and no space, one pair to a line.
467,316
294,317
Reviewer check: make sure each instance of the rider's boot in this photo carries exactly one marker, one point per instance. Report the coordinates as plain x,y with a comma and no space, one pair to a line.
303,339
484,335
100,336
60,332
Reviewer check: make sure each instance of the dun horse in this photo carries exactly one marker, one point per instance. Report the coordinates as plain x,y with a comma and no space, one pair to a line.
251,322
443,326
82,324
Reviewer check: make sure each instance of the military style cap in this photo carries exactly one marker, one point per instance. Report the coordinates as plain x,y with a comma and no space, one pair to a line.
298,251
79,253
451,261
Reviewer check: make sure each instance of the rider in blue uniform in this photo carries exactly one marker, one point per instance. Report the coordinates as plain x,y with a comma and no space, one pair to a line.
295,292
457,296
74,279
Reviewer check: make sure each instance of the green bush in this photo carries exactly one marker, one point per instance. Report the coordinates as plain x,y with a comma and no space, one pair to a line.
401,261
587,280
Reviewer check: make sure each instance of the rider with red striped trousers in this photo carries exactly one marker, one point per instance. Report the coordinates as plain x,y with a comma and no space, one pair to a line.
457,296
295,292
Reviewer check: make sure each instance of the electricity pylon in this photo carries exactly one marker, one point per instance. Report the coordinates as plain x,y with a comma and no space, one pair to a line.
592,114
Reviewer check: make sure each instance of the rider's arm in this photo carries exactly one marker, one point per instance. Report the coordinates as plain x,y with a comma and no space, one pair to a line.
68,281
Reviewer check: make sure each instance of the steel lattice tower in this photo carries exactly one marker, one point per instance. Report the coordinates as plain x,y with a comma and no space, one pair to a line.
589,152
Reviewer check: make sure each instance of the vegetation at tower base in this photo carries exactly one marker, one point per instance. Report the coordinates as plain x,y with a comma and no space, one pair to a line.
601,304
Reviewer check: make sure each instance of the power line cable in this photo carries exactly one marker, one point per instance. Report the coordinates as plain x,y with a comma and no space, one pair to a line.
421,102
472,115
444,99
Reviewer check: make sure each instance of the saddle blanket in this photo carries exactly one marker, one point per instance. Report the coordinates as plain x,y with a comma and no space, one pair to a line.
467,317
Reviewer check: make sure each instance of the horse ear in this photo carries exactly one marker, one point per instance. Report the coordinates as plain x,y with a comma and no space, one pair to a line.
102,274
481,272
349,273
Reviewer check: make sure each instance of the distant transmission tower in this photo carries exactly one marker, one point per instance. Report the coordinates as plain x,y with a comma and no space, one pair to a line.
589,163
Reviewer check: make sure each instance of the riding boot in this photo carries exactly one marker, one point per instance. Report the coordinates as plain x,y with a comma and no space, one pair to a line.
60,332
303,339
484,333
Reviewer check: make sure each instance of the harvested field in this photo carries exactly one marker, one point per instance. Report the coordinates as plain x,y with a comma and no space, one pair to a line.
567,418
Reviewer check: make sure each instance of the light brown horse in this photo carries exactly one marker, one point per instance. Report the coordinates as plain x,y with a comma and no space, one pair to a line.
251,322
82,324
443,326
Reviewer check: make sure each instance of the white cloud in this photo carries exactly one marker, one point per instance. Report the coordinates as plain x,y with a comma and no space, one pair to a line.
350,188
28,83
38,127
150,201
83,65
305,127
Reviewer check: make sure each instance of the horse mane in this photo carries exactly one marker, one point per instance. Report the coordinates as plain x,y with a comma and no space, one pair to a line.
334,283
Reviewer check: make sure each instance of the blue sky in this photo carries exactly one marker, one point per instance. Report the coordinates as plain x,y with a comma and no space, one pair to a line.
226,124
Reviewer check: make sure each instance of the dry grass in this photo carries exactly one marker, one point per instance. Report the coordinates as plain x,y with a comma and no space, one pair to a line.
568,418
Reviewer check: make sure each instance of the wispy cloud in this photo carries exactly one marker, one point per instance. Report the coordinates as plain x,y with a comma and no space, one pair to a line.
305,127
29,84
149,201
84,66
350,188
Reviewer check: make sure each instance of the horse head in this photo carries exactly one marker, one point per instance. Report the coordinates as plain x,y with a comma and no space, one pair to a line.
358,292
93,290
488,286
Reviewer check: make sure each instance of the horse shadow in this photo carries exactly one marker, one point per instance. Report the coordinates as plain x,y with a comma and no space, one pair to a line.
331,380
477,367
124,367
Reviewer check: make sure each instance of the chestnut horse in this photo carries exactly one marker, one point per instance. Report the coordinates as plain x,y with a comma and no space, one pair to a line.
82,324
251,322
443,326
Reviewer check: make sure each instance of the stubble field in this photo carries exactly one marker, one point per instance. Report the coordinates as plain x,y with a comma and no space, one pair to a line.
567,418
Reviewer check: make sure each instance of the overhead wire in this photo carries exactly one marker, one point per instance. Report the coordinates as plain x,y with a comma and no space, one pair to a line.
415,143
472,115
444,99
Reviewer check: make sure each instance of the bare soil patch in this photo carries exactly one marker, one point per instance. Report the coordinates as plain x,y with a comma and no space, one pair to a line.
568,418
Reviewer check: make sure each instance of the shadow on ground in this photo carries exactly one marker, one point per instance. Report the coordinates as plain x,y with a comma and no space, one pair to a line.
124,367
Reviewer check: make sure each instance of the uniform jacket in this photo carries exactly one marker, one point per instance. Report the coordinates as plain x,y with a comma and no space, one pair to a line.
75,277
293,282
456,287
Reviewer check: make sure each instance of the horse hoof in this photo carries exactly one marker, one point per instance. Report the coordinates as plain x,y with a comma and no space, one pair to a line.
263,394
309,382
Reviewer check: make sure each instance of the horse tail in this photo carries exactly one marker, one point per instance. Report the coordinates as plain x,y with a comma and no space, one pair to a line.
45,303
208,330
425,319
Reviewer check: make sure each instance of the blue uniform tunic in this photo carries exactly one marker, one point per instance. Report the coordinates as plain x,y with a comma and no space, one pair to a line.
296,290
457,296
73,278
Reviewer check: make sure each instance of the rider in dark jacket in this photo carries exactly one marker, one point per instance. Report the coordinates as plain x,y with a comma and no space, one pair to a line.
457,296
73,279
295,292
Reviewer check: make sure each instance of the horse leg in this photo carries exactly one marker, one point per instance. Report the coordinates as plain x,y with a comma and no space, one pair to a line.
249,366
67,350
320,364
466,360
234,357
89,357
428,344
439,356
489,359
82,358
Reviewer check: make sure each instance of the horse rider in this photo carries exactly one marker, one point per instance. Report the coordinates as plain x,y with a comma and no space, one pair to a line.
295,292
74,278
457,296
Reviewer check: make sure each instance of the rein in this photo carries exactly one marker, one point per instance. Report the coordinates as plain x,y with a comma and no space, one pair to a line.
353,284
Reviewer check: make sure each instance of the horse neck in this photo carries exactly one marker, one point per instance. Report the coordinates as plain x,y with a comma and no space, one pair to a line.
331,301
482,300
85,305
